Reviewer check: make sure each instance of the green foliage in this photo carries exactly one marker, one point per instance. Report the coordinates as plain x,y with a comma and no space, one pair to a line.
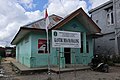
116,59
109,60
110,63
2,53
49,78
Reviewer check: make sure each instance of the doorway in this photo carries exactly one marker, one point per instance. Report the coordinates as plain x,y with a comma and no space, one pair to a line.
67,55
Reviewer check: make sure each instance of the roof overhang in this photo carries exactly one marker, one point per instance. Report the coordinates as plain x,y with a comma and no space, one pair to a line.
23,31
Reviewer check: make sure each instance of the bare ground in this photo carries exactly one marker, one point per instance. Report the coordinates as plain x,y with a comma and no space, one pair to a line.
114,74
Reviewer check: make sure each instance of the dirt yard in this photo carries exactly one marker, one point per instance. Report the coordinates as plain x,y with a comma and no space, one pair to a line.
114,74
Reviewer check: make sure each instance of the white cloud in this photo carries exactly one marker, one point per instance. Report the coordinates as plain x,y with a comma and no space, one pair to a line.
27,3
95,3
12,16
65,7
34,15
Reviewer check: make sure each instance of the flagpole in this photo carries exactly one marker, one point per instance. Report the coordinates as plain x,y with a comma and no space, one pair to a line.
48,54
47,31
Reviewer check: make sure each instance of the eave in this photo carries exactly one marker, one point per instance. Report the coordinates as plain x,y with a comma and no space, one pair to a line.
23,31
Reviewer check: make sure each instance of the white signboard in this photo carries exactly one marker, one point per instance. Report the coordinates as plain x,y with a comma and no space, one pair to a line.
66,39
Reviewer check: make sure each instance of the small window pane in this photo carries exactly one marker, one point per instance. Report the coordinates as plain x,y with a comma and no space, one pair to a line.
108,19
81,49
112,20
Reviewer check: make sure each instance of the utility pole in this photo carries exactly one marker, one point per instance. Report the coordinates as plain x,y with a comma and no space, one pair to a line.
115,24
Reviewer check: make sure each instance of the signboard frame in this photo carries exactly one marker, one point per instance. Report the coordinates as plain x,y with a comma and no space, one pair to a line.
66,39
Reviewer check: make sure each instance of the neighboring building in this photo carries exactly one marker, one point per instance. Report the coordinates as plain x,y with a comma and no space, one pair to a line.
30,41
10,51
107,17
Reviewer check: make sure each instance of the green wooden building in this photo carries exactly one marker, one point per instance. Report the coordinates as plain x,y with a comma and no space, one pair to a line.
30,41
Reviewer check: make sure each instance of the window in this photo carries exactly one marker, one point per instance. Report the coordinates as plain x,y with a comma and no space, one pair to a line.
87,46
118,5
81,49
110,19
42,46
112,39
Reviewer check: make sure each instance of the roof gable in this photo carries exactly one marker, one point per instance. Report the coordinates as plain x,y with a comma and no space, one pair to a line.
73,25
83,18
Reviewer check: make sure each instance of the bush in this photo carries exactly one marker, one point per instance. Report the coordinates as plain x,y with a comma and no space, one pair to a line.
110,63
116,59
2,53
109,60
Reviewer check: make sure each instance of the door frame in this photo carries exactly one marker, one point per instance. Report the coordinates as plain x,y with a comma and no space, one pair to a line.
68,54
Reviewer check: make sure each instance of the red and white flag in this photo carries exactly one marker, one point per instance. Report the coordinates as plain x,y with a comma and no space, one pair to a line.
46,20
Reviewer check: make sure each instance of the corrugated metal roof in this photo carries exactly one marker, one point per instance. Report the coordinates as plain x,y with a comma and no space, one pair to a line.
40,24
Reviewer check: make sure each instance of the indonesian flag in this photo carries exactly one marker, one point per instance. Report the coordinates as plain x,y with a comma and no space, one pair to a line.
46,20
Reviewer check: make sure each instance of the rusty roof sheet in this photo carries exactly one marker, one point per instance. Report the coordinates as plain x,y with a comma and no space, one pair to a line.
40,24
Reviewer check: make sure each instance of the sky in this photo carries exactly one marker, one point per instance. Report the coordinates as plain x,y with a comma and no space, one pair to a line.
16,13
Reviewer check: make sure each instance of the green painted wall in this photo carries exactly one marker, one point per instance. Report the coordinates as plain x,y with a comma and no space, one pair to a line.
37,60
81,58
23,50
28,51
